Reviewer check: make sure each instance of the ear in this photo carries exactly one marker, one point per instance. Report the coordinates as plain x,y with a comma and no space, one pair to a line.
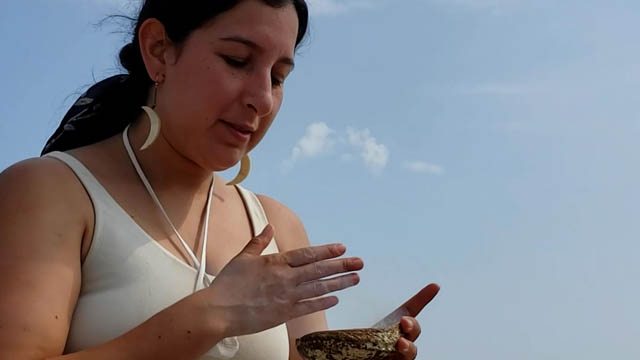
155,46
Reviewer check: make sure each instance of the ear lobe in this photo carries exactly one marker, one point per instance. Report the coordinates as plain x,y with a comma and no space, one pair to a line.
154,44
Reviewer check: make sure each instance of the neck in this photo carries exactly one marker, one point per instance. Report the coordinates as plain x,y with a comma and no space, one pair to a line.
164,167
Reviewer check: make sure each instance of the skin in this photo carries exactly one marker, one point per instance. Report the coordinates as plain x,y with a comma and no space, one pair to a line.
230,70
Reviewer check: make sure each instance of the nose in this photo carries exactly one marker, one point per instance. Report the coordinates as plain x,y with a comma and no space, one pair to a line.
259,95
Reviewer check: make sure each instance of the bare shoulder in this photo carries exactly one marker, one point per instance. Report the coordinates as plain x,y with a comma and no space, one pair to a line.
35,176
42,184
290,232
41,229
31,169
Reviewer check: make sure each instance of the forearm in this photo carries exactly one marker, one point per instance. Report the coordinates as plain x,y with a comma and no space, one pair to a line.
185,330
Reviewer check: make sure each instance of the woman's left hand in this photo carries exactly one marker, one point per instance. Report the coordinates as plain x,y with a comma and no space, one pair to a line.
411,330
410,327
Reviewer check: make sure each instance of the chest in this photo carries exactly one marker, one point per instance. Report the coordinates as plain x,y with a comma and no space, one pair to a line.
126,279
230,226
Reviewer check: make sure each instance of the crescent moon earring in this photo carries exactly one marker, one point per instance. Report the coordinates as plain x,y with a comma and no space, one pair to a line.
245,168
154,119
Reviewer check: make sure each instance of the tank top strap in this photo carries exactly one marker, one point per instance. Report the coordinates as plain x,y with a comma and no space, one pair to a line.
95,190
256,213
257,216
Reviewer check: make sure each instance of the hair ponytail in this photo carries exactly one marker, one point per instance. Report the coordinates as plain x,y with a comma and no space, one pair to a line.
101,112
107,107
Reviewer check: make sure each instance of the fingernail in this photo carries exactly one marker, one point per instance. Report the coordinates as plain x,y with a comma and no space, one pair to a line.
405,346
341,248
355,278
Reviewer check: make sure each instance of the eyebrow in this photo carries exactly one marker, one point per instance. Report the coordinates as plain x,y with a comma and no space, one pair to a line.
285,59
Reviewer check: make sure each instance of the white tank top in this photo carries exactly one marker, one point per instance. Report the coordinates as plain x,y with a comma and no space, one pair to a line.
127,277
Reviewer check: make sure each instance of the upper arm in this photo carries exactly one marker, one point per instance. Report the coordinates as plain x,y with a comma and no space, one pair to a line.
290,235
40,237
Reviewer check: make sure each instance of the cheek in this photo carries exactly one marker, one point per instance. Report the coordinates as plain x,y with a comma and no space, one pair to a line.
200,93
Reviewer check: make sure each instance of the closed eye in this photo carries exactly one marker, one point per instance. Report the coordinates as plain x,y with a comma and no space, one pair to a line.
276,82
235,62
240,63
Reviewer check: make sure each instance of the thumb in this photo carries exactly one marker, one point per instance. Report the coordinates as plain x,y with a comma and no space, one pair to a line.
257,245
421,299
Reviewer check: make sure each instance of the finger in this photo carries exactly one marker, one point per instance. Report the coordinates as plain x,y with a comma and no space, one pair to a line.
312,254
257,245
320,269
421,299
407,349
410,327
310,306
321,287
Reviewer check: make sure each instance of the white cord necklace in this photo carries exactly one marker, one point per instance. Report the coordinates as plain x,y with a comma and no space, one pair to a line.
200,265
228,347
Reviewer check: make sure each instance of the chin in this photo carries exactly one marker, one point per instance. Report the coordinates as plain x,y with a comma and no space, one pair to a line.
223,161
220,156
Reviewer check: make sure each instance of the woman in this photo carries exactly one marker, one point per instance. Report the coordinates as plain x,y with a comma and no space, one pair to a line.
110,239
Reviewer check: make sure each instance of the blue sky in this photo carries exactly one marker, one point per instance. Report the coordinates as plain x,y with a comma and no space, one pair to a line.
487,145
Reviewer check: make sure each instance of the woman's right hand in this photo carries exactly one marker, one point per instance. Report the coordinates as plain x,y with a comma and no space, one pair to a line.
258,292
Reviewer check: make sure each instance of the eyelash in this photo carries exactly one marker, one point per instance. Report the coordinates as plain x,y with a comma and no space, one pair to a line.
233,62
239,64
276,82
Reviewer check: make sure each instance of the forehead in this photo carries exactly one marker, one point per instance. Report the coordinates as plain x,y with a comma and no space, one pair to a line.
272,29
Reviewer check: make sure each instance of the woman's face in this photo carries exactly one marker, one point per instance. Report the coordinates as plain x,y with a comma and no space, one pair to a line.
225,86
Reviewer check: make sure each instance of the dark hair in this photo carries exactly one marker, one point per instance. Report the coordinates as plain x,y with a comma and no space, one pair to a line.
111,104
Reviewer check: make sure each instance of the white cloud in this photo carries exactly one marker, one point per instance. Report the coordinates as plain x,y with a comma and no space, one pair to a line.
374,154
316,141
353,144
424,167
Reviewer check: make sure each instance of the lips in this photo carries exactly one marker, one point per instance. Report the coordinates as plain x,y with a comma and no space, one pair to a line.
242,128
238,133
